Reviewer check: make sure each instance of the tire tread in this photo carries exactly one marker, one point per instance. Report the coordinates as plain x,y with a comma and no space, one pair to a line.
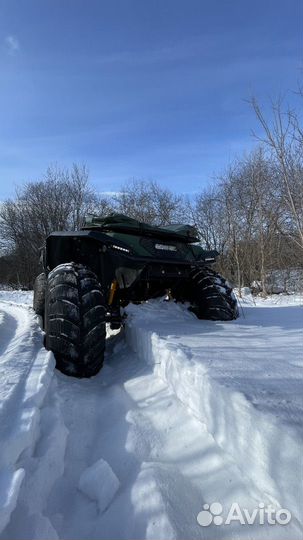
212,296
75,320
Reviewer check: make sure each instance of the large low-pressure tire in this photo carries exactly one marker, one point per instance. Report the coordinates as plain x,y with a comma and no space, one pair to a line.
39,294
212,296
75,320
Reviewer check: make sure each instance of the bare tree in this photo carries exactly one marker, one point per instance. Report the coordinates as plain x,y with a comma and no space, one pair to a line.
283,136
209,218
150,203
59,201
238,217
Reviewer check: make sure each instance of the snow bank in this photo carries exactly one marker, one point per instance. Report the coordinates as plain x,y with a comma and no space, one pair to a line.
99,483
247,299
148,500
26,374
290,280
10,482
252,405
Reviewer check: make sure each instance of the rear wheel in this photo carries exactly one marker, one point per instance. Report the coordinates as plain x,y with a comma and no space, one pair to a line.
212,297
75,320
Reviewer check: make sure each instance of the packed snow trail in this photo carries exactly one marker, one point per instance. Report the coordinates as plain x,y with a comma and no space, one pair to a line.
148,425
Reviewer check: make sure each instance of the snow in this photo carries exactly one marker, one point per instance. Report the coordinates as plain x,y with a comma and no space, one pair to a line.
184,413
26,371
17,297
10,482
226,385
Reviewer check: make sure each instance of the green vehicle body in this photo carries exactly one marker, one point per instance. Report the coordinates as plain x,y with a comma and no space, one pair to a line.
89,275
143,261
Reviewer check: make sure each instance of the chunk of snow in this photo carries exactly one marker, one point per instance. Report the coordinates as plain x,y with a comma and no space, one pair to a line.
99,483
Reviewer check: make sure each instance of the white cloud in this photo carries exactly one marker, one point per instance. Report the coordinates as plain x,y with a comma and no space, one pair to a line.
12,44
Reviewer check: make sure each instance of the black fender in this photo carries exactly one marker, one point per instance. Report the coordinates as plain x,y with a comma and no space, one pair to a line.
87,247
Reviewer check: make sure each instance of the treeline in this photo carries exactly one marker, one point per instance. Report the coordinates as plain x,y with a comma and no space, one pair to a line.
252,214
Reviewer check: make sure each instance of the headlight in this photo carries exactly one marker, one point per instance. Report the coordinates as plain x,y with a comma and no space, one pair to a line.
119,248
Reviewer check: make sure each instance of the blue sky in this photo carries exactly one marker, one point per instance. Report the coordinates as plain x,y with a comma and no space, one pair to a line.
151,89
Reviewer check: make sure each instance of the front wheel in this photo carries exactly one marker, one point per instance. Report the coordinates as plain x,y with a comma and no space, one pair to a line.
75,319
211,296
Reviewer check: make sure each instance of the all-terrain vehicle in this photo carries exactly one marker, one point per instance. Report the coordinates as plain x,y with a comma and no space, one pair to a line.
89,275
